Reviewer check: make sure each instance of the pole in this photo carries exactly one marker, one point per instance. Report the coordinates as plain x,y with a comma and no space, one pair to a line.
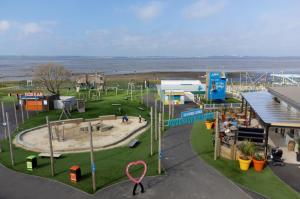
116,90
155,119
159,146
151,135
216,136
4,120
27,115
169,107
22,114
99,95
163,117
92,158
16,116
141,94
50,145
9,139
131,91
147,96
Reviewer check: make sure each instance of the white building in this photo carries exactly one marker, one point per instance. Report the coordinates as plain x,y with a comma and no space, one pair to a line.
179,91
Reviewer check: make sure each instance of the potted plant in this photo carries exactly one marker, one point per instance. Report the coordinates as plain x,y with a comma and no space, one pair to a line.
298,153
209,123
247,149
258,162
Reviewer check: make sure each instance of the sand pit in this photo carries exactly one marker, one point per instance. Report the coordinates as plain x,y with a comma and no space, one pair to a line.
108,133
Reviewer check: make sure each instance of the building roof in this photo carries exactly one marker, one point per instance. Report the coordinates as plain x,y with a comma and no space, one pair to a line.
270,111
180,82
289,94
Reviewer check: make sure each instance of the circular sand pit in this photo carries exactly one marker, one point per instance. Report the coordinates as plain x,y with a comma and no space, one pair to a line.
72,136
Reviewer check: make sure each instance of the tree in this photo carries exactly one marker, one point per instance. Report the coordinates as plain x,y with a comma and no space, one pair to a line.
52,76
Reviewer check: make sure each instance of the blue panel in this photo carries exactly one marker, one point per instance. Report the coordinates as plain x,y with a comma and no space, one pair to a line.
216,86
191,112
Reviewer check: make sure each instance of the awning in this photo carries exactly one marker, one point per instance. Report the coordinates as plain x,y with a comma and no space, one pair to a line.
270,111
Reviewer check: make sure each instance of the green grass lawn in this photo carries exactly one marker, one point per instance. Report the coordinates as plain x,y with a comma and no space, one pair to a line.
110,164
266,183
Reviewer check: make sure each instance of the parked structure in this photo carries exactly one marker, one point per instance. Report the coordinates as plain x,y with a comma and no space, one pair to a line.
179,91
278,111
90,81
37,101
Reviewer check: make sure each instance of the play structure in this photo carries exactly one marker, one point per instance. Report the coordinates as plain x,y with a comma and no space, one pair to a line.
70,136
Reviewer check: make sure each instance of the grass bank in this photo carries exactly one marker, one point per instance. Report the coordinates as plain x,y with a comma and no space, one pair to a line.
266,183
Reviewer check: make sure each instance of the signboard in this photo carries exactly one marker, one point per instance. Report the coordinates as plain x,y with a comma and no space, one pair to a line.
216,86
191,112
34,94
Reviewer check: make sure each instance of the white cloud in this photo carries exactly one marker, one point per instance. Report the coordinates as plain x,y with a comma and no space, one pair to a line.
202,9
4,25
149,11
31,28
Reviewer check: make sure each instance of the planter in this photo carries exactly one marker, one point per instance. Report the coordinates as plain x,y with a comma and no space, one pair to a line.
258,165
244,164
209,124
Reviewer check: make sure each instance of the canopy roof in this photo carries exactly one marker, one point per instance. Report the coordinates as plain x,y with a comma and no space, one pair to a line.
289,94
270,111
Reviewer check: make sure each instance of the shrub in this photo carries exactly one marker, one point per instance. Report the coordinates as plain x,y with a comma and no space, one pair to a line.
247,148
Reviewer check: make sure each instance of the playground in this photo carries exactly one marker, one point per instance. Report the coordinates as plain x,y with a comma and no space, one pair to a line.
71,136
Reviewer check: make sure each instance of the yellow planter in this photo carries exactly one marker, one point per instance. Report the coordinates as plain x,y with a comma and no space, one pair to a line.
209,125
244,164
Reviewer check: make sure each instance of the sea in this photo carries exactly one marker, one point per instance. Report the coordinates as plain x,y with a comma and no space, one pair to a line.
22,67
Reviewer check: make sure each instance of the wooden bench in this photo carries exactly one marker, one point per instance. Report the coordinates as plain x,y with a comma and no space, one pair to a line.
47,155
141,108
133,143
106,128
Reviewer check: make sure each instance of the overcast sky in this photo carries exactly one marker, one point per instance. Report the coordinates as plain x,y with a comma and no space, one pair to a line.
150,28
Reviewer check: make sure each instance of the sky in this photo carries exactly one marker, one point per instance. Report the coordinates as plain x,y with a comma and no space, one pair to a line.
150,28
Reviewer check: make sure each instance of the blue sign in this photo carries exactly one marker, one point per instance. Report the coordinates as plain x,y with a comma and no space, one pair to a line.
216,89
191,112
93,167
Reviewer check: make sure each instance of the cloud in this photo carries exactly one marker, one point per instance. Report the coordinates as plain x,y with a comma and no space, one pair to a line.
148,12
202,9
4,25
31,28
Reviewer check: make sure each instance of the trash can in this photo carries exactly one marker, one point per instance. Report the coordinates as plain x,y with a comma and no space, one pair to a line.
75,173
31,162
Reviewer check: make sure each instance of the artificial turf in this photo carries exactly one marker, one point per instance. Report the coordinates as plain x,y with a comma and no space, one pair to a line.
110,164
265,183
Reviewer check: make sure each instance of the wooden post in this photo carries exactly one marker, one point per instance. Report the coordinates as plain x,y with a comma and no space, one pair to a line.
216,135
92,158
4,123
151,136
16,116
163,117
99,95
142,101
130,91
22,114
147,96
169,107
63,131
116,90
155,119
27,115
159,146
9,139
50,145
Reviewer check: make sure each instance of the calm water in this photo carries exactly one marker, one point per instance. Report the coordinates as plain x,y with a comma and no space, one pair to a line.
21,67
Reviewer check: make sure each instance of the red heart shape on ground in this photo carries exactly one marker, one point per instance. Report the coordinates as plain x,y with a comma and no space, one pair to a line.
139,179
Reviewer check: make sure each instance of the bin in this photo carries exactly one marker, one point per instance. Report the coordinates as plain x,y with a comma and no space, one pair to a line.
75,173
31,162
